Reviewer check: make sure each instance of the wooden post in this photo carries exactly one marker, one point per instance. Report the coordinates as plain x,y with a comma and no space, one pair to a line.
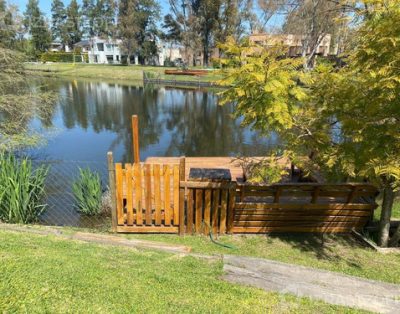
135,140
182,193
111,178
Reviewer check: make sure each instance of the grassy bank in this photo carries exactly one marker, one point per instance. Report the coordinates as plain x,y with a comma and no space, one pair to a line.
110,72
338,253
46,274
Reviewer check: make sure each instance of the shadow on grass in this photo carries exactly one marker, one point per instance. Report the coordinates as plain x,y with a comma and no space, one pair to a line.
327,247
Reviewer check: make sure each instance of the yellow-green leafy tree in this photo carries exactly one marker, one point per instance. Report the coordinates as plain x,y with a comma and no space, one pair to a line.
347,121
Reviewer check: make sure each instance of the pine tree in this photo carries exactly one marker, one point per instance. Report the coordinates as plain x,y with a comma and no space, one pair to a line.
73,24
58,19
7,31
88,18
37,27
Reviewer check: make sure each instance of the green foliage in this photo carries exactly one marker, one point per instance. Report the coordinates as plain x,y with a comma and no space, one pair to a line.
60,57
87,192
263,85
266,170
21,190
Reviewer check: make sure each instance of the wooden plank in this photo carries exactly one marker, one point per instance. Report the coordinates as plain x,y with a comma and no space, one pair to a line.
277,195
148,209
182,197
224,209
189,223
120,202
112,185
135,139
342,218
231,209
157,194
305,206
137,171
323,212
129,194
207,211
207,185
315,194
167,196
199,211
291,229
215,210
351,224
175,188
147,229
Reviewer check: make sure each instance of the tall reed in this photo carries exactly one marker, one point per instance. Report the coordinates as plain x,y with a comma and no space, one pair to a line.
22,190
87,192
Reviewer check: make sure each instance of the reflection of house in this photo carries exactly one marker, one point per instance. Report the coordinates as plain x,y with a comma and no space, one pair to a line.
293,42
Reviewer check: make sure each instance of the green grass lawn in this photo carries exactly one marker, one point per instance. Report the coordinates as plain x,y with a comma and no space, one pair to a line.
109,72
45,274
395,211
338,253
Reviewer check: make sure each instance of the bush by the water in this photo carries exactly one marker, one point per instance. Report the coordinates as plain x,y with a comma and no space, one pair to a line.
22,190
87,192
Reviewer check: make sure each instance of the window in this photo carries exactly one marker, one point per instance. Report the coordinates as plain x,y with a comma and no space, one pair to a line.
109,47
100,47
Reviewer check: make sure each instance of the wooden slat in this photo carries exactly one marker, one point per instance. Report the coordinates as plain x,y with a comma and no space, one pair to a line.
199,210
176,194
119,185
137,171
321,212
215,210
240,218
224,207
310,224
231,209
315,194
182,197
189,224
157,194
291,229
167,195
304,206
129,194
207,211
148,195
147,229
207,185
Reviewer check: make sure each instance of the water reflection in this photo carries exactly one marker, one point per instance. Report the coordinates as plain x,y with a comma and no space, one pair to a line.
95,117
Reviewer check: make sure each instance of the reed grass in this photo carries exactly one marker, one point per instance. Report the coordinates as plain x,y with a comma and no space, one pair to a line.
87,192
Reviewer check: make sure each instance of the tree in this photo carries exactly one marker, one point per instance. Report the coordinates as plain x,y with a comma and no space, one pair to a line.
313,20
37,27
58,19
73,24
345,120
137,28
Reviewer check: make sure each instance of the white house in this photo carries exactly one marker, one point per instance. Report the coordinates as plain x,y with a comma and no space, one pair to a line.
168,52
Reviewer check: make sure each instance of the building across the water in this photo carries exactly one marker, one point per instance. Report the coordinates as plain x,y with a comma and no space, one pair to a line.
294,43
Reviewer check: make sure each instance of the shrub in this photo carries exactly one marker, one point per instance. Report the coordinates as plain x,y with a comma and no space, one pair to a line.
87,192
52,56
22,190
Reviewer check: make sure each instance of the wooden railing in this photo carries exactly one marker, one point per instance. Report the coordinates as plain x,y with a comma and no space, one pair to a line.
303,207
157,198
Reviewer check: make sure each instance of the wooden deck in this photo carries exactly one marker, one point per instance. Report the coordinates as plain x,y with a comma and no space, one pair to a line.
231,163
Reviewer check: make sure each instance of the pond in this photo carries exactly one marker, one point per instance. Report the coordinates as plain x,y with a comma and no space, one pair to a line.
91,118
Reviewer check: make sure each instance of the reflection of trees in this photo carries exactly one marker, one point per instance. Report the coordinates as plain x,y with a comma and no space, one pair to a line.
199,127
189,122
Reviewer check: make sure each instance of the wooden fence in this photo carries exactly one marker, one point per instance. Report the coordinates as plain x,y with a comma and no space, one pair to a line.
303,207
156,198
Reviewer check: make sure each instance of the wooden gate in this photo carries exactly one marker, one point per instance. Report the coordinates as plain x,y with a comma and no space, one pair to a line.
146,198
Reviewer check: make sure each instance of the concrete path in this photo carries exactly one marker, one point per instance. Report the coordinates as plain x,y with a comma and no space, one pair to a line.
302,281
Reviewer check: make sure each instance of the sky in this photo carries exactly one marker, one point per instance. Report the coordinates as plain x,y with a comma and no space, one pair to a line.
45,5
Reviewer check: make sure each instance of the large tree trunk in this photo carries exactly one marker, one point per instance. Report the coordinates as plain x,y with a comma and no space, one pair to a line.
384,224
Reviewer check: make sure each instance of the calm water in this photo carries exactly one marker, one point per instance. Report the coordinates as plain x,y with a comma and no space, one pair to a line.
92,118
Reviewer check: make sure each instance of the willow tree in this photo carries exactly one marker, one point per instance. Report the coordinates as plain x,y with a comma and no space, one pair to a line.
346,121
